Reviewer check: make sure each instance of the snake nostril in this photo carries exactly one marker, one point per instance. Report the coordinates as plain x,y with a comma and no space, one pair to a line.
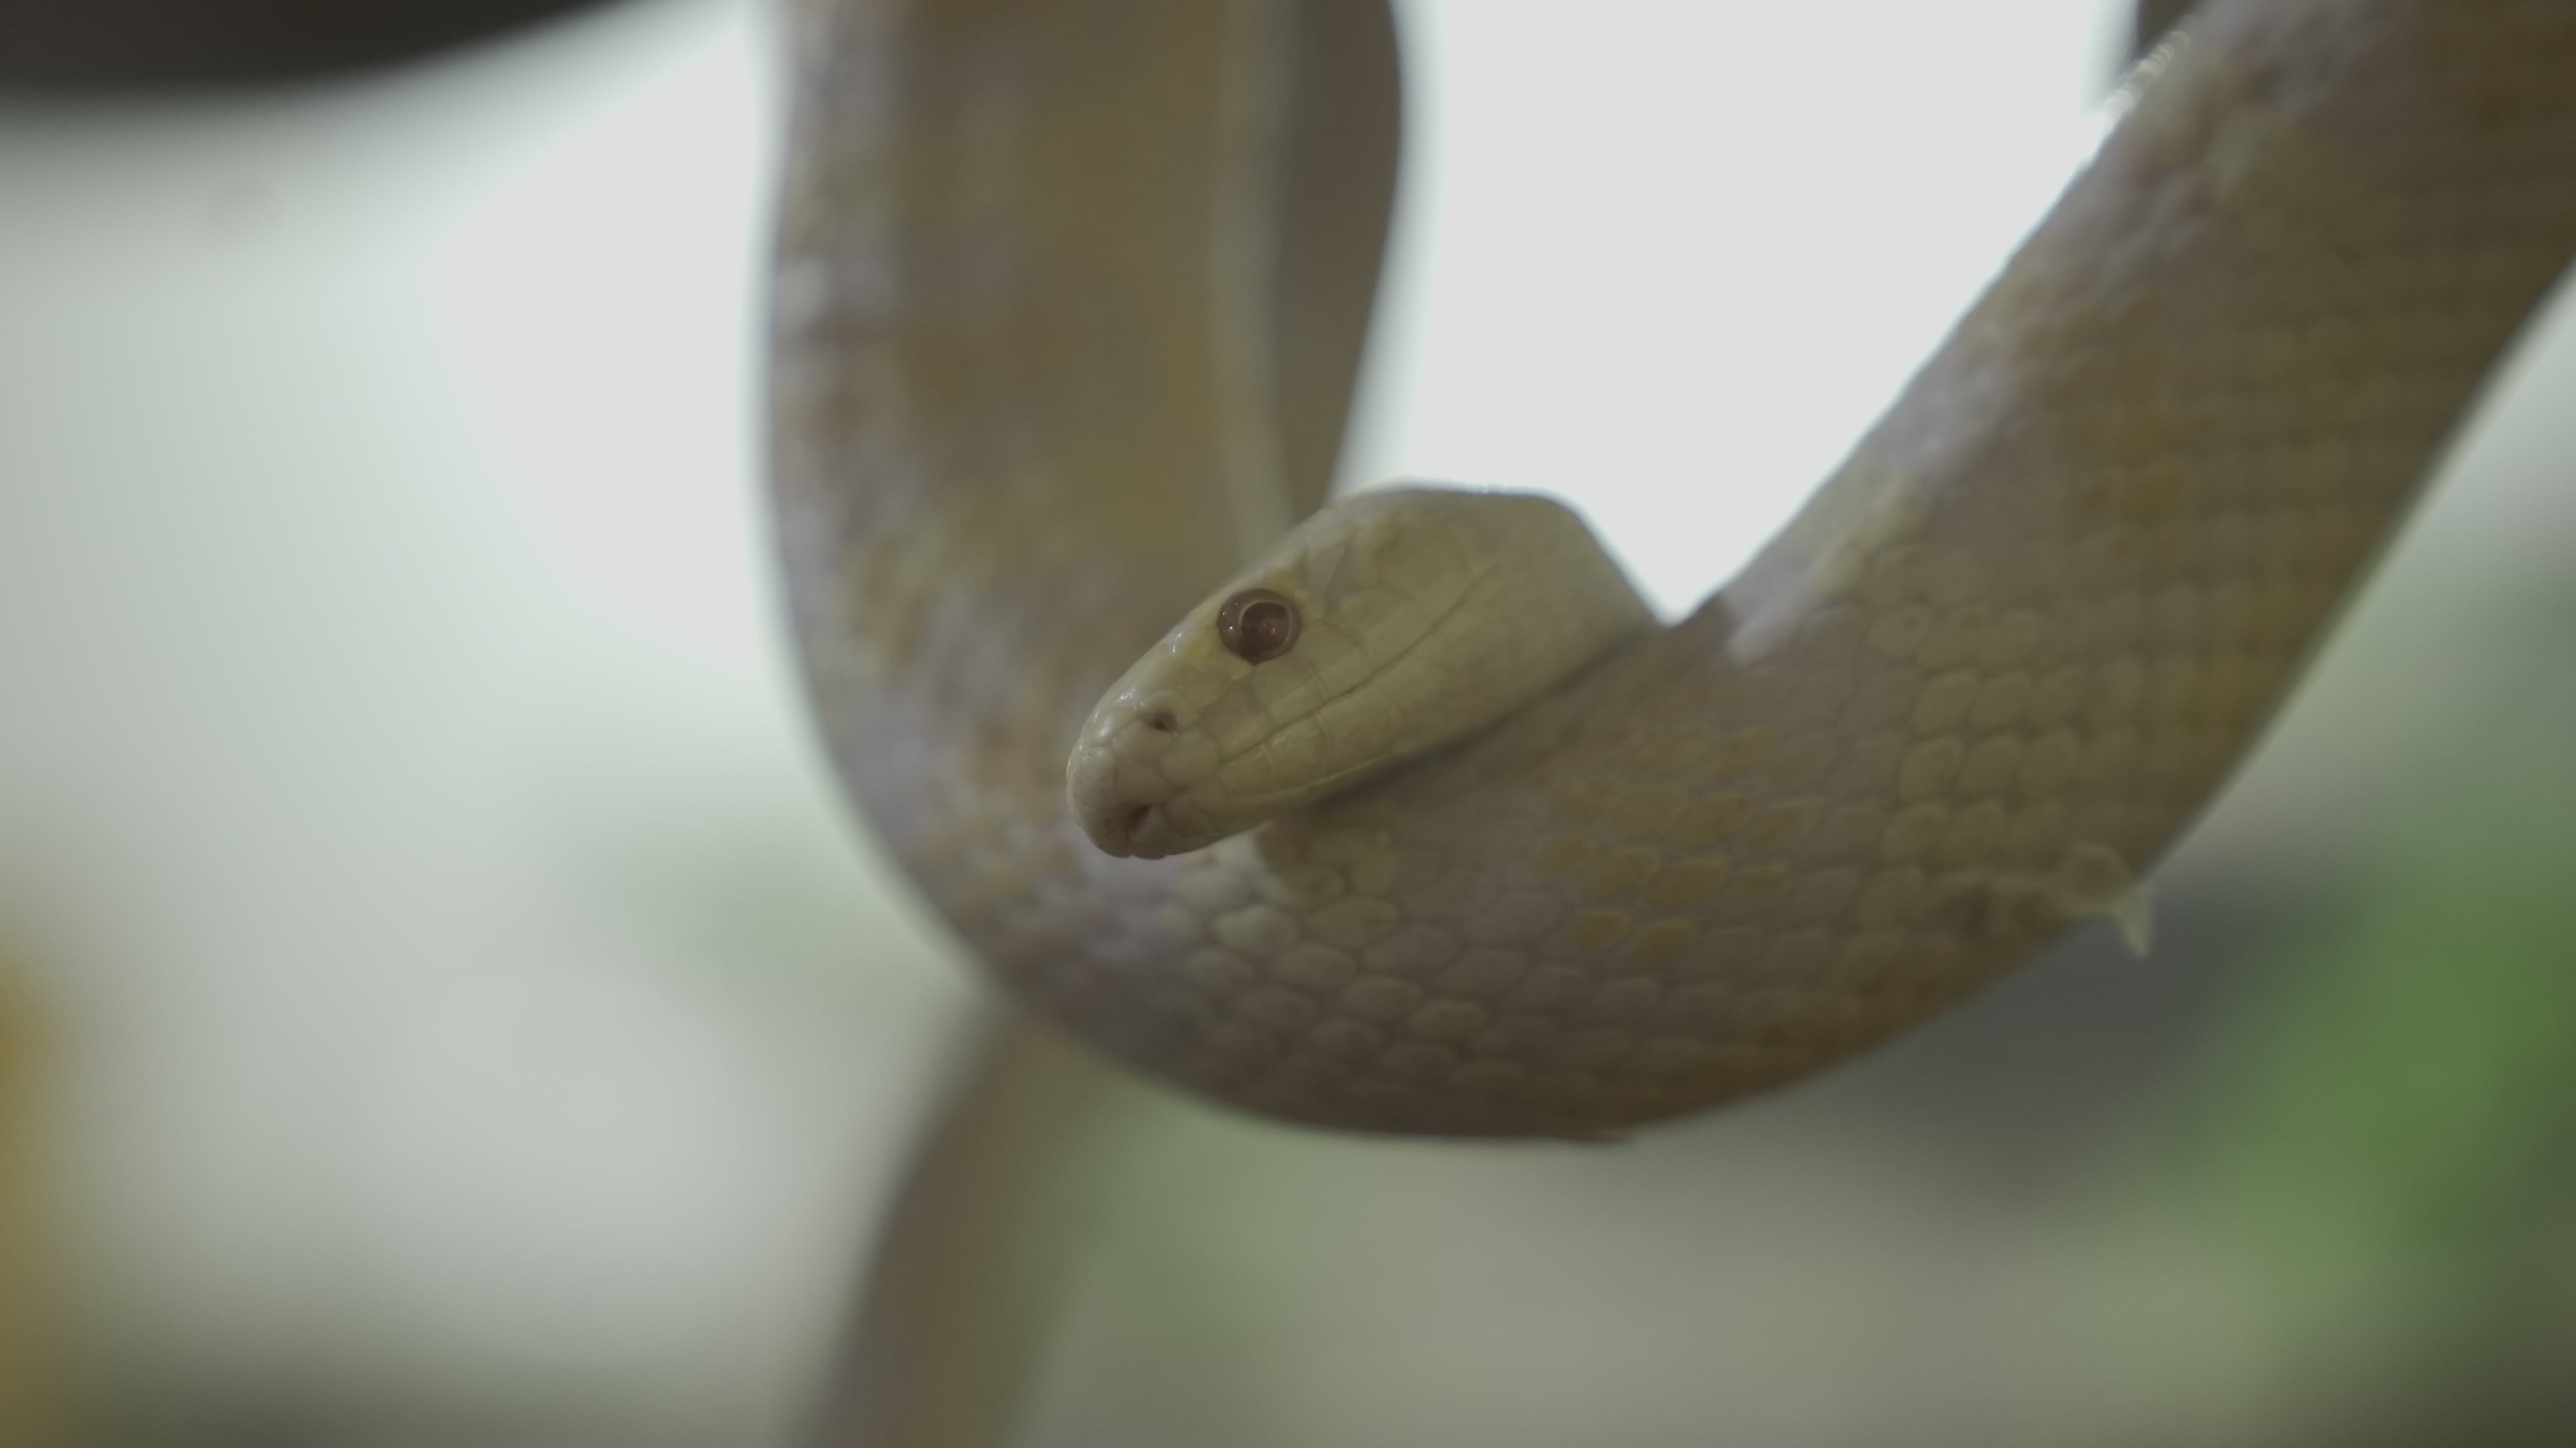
1161,721
1136,819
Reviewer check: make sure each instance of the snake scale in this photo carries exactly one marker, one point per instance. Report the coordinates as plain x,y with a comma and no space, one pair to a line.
1027,398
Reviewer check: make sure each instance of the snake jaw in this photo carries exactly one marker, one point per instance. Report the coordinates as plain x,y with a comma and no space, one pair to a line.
1148,833
1116,831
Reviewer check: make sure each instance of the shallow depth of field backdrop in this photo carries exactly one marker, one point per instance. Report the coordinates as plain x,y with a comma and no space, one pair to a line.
477,1019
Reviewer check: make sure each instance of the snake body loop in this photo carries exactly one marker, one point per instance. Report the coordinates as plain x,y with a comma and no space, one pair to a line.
1028,354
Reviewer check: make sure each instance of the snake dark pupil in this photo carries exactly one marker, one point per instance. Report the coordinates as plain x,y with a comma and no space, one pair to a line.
1257,625
1265,629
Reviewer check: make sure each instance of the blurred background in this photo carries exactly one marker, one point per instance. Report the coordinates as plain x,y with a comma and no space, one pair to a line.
443,999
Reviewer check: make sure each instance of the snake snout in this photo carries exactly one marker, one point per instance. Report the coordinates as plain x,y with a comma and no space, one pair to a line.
1122,773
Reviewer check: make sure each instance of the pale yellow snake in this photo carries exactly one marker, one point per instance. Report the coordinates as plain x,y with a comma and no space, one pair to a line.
1029,337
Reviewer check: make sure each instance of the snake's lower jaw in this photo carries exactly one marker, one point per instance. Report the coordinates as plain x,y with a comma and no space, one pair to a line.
1114,820
1138,831
1150,834
1140,824
1121,801
1115,833
1130,811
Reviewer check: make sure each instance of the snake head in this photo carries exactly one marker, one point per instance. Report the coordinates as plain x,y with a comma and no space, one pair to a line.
1386,625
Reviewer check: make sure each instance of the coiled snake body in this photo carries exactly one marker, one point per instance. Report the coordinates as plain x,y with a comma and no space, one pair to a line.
1029,410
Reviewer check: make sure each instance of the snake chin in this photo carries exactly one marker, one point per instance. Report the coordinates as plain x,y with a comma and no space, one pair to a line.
1140,831
1145,832
1115,833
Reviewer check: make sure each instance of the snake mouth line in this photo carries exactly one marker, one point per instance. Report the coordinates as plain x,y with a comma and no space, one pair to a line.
1116,830
1131,821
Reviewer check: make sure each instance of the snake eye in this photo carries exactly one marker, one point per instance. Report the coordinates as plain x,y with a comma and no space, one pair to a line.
1257,625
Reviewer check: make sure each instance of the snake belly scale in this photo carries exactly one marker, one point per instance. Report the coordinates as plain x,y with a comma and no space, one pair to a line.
1963,700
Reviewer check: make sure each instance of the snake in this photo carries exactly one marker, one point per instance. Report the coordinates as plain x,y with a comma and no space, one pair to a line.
1406,818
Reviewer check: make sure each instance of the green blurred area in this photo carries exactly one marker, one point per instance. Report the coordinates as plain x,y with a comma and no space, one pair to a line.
2385,1118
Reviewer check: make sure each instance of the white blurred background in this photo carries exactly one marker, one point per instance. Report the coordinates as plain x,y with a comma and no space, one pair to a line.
483,1023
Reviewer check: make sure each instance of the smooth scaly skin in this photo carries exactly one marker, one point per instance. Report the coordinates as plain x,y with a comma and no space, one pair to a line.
1986,675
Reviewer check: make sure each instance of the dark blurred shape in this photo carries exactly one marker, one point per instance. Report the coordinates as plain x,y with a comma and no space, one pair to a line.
196,42
2153,19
